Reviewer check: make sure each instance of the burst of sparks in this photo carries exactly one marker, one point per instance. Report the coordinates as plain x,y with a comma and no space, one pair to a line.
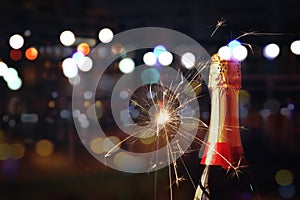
164,117
219,24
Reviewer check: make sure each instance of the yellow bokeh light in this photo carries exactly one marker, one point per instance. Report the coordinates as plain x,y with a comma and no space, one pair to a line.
17,151
4,151
244,97
148,140
111,144
51,104
97,145
44,147
284,177
86,104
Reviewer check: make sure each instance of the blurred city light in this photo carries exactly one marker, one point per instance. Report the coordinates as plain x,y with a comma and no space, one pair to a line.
126,65
295,47
271,51
67,38
16,41
105,35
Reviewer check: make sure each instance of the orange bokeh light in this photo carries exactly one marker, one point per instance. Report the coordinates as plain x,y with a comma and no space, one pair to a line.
31,53
84,48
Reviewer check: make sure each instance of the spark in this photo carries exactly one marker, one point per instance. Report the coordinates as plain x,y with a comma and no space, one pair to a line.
160,113
163,117
219,24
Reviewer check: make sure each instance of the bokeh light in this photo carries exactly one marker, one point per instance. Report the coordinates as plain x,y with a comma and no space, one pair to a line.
150,76
271,51
51,104
128,162
149,58
158,50
4,151
75,80
85,64
105,35
69,67
233,44
15,54
31,53
83,48
287,192
126,65
244,97
284,177
188,60
273,105
165,58
15,84
16,41
265,113
11,75
124,94
3,68
44,147
96,145
240,52
17,151
67,38
225,53
117,48
295,47
77,56
111,144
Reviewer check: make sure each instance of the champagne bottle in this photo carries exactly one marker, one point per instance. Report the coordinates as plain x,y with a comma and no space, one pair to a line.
226,174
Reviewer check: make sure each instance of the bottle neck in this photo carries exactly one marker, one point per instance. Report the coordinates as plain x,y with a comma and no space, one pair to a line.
224,145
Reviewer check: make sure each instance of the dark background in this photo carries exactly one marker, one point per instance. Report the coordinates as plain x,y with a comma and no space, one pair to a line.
271,143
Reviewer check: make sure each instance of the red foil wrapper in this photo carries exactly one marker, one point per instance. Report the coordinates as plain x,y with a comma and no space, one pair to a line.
224,146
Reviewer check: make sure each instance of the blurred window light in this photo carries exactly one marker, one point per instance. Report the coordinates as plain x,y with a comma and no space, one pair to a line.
271,51
105,35
16,41
126,65
67,38
295,47
165,58
188,60
149,58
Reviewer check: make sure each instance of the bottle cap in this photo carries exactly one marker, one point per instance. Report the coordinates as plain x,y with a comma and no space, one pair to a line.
224,73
